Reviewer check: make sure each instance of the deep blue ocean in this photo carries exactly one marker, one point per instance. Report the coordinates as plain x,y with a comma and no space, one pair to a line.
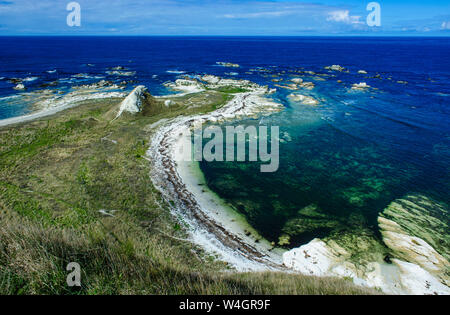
350,156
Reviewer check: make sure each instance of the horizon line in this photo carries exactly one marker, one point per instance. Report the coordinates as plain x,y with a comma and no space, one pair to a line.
261,36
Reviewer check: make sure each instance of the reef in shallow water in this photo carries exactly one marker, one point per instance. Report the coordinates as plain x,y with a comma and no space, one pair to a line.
411,259
415,228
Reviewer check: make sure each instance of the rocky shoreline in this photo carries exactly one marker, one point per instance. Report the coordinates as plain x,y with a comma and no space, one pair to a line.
408,226
216,233
207,228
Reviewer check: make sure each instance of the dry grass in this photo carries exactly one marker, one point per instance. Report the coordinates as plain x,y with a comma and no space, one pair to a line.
118,260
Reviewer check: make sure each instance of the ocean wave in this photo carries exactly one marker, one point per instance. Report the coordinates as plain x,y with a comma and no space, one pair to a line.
86,76
5,98
122,73
176,71
30,79
51,71
66,80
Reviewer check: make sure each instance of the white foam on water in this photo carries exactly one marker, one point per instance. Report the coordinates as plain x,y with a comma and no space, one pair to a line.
176,71
30,79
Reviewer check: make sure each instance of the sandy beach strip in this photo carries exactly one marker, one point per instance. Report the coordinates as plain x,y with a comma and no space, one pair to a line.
213,224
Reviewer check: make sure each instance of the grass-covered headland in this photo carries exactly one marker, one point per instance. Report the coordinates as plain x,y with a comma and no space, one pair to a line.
75,187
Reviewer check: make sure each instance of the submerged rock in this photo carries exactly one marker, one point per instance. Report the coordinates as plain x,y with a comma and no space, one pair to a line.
15,80
306,100
118,68
228,64
292,86
297,80
307,85
335,68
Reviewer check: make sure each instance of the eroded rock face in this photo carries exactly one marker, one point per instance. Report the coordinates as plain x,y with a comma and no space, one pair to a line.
415,228
411,248
134,102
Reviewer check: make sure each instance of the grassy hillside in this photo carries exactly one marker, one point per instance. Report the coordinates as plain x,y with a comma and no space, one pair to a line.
75,187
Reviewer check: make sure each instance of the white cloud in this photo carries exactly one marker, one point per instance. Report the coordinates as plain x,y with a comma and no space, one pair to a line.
343,16
257,15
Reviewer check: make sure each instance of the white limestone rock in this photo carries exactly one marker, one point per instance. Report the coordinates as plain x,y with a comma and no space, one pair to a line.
297,80
187,86
360,86
228,64
335,68
411,248
133,103
19,87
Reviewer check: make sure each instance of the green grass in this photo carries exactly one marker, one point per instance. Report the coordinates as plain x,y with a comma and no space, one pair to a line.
58,173
231,90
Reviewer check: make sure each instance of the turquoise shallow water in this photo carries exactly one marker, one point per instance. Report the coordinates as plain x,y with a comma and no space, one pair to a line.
344,161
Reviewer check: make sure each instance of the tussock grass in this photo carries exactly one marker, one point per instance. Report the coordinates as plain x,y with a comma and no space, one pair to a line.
60,175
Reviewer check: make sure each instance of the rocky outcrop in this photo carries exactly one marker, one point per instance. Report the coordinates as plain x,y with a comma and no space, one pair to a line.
136,102
335,68
187,86
411,248
297,80
414,261
415,228
103,85
228,64
307,85
19,87
360,86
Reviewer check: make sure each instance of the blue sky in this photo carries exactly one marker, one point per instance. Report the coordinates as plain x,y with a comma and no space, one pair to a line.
225,17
